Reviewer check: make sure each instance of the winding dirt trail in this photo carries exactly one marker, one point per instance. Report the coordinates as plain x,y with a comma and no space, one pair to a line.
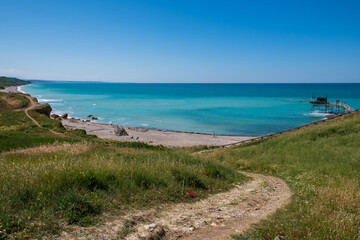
216,217
31,106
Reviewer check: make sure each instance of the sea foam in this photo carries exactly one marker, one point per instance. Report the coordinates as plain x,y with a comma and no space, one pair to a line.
50,100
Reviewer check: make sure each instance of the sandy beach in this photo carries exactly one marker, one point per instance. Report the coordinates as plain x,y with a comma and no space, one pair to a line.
149,136
153,137
12,89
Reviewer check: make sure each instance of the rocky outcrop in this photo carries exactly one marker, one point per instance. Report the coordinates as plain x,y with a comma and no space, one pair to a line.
120,131
64,115
54,116
44,109
94,118
33,98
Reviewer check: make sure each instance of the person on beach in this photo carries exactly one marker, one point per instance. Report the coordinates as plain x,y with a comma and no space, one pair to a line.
213,134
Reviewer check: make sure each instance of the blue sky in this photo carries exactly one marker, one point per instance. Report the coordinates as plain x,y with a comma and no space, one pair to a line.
181,41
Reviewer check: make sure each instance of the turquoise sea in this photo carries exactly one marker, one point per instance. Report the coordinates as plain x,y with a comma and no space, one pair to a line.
231,109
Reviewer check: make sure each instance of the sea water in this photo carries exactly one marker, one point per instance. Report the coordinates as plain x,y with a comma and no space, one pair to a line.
231,109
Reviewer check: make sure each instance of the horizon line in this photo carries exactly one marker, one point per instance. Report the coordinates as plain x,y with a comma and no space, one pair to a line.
99,81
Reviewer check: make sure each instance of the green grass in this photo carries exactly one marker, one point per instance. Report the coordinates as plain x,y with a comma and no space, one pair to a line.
10,101
18,131
49,180
76,182
321,164
47,122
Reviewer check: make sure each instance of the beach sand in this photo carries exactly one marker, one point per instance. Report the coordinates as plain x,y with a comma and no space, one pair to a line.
153,137
12,89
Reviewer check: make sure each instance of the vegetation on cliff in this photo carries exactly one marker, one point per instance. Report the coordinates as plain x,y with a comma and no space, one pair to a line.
9,81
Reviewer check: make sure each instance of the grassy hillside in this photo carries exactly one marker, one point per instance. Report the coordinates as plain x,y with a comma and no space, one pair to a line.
321,164
8,81
18,131
50,180
9,102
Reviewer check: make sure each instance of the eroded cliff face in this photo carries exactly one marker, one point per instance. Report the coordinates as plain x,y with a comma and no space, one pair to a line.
44,109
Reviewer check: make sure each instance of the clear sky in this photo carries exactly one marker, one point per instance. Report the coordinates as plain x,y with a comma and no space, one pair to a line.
181,41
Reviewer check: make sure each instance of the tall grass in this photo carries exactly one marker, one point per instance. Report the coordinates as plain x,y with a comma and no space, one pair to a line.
321,164
75,183
48,180
10,101
18,131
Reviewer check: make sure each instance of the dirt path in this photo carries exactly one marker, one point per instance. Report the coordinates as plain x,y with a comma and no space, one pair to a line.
216,217
31,106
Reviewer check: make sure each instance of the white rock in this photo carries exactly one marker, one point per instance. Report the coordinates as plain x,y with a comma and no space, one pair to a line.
150,227
153,225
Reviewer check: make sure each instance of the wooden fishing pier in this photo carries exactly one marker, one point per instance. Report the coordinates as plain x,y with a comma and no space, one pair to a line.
321,104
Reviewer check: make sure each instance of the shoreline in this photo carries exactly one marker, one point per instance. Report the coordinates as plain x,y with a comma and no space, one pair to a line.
12,89
153,136
167,138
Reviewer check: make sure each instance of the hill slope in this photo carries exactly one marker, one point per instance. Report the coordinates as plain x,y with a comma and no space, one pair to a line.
48,179
321,164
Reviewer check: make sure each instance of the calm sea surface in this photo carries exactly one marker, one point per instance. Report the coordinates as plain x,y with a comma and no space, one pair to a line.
232,109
